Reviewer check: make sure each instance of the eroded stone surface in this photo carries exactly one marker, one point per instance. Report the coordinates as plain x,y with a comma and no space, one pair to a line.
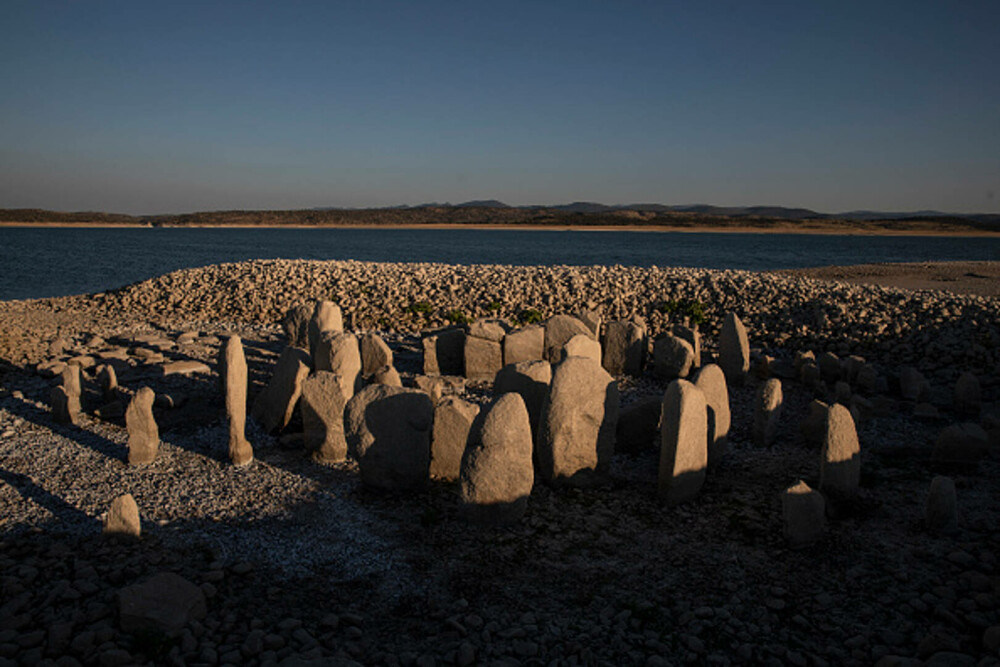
684,443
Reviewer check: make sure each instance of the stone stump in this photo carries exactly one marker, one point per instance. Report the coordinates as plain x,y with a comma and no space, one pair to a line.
526,344
123,518
684,443
529,379
804,514
65,398
734,349
322,407
274,406
767,412
623,352
143,434
386,375
483,358
453,418
233,370
840,466
693,338
338,352
712,382
375,354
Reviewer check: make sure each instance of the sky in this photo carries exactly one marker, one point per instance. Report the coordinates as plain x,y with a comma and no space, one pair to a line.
169,107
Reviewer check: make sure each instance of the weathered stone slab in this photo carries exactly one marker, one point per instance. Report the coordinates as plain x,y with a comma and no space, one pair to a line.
322,407
693,338
684,443
453,418
712,383
233,373
830,367
582,346
672,357
165,603
767,412
529,379
375,354
623,352
493,330
274,406
438,386
840,466
527,344
185,367
444,353
326,317
296,324
734,349
483,358
338,352
558,330
804,514
912,385
123,518
143,433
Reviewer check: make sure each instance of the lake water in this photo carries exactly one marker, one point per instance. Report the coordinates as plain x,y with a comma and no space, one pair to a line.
42,262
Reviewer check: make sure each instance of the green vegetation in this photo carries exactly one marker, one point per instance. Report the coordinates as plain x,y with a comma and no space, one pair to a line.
692,309
458,317
529,316
420,308
494,307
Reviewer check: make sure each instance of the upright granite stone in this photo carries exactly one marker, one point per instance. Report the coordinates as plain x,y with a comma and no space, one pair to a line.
338,352
804,514
693,338
712,382
962,444
123,518
582,346
767,412
275,405
684,443
830,367
840,467
488,329
813,426
444,352
913,386
623,352
592,319
388,431
296,324
386,375
65,398
672,357
968,397
526,344
558,330
577,426
529,379
941,511
326,318
143,434
483,358
497,472
322,407
734,349
375,354
233,371
453,418
107,379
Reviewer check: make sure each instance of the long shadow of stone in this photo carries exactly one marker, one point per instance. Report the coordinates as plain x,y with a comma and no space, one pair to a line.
59,508
77,434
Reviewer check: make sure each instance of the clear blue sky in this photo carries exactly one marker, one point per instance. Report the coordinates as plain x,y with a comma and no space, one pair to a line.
157,107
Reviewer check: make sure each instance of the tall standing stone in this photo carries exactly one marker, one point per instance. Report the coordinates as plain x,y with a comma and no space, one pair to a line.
444,352
453,418
375,354
767,412
527,344
558,330
123,518
672,357
338,352
326,317
65,398
274,406
322,408
804,514
233,369
623,352
529,379
577,427
684,442
734,349
296,324
143,434
840,467
497,472
712,382
483,358
941,511
107,379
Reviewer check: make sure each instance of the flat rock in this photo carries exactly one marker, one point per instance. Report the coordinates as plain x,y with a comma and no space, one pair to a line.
185,367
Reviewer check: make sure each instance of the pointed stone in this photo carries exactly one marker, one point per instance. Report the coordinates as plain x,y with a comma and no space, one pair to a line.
338,352
712,382
322,407
840,467
804,514
453,418
274,406
623,351
107,379
123,517
326,317
233,372
684,443
375,354
734,349
66,397
767,412
143,434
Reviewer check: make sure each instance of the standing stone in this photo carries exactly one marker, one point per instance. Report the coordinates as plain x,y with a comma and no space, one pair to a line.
163,604
123,517
388,431
963,444
143,434
529,379
275,405
582,346
322,408
684,442
375,354
527,344
734,349
968,398
576,436
813,426
767,412
867,379
65,398
624,350
693,337
493,330
338,352
558,330
326,317
233,370
497,472
804,513
840,467
296,324
107,379
941,513
444,352
592,319
830,367
712,382
453,418
483,358
672,357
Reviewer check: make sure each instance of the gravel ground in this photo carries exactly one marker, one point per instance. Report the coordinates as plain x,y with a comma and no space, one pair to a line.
300,563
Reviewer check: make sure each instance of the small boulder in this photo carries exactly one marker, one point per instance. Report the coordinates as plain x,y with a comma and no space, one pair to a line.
326,317
693,338
165,603
623,351
558,330
123,518
840,466
275,405
143,433
963,444
672,357
493,330
804,514
582,346
529,379
375,354
338,352
386,375
438,386
296,325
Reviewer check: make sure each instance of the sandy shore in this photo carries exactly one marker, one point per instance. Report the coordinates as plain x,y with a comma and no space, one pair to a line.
960,277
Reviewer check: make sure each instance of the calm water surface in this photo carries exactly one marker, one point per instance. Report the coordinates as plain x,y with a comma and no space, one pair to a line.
42,262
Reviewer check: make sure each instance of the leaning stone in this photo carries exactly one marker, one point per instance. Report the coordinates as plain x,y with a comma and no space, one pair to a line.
322,408
275,405
453,418
185,367
767,412
388,432
107,379
233,369
143,434
734,349
326,317
712,382
623,352
493,330
968,398
941,513
375,354
684,443
693,337
558,330
444,352
672,357
577,424
529,379
527,344
123,517
804,513
483,358
814,424
338,352
497,472
438,386
840,467
164,603
582,346
386,375
296,325
965,444
638,426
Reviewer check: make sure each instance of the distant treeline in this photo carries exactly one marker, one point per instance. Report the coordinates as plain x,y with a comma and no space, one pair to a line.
468,215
